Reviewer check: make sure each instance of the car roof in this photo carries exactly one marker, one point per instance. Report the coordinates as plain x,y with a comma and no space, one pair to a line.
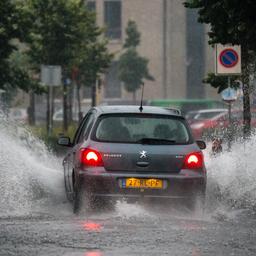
209,110
135,109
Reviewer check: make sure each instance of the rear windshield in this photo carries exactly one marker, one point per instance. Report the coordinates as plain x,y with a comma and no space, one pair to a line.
136,128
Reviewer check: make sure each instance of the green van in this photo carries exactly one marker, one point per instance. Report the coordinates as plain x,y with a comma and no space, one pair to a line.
186,105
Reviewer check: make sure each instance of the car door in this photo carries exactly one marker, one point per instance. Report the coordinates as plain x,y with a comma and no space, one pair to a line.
81,134
68,168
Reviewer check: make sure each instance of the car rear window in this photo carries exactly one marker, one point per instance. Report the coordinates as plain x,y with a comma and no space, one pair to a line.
130,128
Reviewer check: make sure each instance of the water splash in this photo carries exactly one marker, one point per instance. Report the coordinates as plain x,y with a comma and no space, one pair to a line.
232,176
30,174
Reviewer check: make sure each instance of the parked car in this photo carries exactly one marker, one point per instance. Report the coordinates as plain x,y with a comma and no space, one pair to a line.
203,114
220,123
125,152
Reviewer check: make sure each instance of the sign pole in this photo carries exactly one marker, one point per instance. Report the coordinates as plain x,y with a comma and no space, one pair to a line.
229,119
50,76
50,111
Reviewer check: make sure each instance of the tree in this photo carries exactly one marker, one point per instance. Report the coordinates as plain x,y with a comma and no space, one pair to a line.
9,29
132,35
25,76
12,29
64,33
59,29
95,61
133,69
14,24
232,22
220,82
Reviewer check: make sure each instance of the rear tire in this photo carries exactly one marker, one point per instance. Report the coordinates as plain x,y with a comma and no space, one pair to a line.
79,197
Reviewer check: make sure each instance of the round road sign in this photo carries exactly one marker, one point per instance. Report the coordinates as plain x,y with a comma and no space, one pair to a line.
228,58
229,94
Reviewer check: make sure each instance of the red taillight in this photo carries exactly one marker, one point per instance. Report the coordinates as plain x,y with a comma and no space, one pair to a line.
193,161
90,157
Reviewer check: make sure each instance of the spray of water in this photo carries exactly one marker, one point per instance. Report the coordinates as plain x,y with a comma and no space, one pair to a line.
232,176
30,175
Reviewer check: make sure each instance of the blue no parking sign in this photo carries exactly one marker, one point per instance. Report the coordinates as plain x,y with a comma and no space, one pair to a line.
228,60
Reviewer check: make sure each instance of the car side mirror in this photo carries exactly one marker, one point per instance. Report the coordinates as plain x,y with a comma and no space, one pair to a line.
64,141
201,144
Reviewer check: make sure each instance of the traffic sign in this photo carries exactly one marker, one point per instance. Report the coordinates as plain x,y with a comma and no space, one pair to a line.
229,94
228,60
67,81
51,75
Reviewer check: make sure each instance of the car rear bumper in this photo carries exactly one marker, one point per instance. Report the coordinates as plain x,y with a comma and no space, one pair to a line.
108,184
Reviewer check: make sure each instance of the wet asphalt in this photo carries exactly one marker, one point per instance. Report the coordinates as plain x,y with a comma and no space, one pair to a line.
130,230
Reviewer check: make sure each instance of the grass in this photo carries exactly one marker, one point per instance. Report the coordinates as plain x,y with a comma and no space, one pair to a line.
51,141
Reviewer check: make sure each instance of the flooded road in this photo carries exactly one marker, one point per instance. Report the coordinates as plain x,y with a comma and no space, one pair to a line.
138,234
36,219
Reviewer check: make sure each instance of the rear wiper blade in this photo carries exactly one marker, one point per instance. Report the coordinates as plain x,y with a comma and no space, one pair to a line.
156,141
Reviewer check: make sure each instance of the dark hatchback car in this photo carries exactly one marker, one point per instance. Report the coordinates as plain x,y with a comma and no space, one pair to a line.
127,152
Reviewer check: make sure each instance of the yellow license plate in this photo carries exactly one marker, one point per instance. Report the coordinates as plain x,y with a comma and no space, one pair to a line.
143,183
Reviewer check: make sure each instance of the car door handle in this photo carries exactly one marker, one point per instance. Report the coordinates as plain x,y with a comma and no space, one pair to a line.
142,164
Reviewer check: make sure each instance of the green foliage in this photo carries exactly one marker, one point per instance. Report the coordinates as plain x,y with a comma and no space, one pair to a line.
231,21
57,29
59,32
220,82
133,69
94,61
21,72
11,27
133,35
65,33
14,25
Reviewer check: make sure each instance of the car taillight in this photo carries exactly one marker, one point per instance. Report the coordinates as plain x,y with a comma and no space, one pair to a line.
90,157
193,161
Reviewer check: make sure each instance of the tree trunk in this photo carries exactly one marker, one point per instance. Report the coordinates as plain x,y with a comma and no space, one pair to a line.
31,109
246,94
65,109
246,110
80,114
94,94
52,105
48,110
70,92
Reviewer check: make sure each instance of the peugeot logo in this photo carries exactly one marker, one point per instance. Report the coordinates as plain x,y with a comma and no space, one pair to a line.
143,154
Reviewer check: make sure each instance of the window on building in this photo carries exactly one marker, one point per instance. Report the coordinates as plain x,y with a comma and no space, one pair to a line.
91,6
112,18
